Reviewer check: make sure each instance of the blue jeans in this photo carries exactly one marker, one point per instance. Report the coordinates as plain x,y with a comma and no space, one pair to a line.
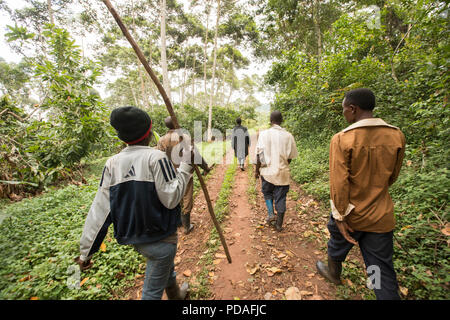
160,272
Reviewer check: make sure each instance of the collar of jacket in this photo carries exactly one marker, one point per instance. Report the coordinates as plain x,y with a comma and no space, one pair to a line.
275,126
134,147
371,122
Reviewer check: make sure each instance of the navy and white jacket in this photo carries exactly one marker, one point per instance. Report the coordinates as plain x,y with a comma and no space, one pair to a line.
139,194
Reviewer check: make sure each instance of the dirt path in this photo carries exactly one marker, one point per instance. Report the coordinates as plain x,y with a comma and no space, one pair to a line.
266,263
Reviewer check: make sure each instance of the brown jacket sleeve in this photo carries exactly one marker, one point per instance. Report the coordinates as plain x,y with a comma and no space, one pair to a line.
339,174
398,164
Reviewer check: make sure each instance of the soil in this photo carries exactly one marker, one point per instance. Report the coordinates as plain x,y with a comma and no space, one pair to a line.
266,264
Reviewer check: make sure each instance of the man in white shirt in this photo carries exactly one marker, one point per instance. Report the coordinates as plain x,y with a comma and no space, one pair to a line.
274,151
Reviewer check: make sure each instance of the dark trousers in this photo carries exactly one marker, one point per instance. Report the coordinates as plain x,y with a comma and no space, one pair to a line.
275,193
377,250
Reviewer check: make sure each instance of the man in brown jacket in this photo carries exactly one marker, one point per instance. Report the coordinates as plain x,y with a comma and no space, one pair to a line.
365,159
171,143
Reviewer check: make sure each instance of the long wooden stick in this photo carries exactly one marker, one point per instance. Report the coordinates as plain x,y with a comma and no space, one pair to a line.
166,99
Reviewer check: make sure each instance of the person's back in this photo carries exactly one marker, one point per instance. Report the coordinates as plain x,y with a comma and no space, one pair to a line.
365,159
139,193
140,212
279,148
274,151
372,147
240,141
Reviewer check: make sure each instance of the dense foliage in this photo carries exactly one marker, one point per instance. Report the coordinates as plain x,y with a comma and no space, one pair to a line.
404,60
38,151
39,240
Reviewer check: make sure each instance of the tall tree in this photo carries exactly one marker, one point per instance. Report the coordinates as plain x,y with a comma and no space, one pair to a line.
213,72
165,73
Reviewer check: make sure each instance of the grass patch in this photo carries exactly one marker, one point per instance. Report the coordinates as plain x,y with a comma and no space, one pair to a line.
200,289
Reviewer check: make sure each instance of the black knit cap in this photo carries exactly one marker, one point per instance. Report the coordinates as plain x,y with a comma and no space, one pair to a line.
132,124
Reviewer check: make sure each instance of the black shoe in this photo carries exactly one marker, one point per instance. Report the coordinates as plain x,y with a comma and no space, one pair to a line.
279,223
174,292
332,272
186,222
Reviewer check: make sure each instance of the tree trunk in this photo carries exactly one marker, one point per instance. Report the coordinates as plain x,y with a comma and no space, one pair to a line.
134,94
50,11
165,73
204,49
184,80
145,101
213,73
193,82
317,30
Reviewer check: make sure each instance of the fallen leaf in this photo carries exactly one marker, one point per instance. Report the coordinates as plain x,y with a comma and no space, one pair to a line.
272,271
268,296
281,256
310,275
446,230
103,247
187,273
290,253
306,293
252,270
220,256
316,297
217,261
28,277
349,282
404,291
293,293
211,274
306,234
84,281
308,284
177,260
34,298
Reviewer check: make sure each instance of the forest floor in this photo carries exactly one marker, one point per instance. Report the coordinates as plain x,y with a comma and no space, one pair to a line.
266,264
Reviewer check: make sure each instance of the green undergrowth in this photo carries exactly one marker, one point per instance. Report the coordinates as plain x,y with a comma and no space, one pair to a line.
39,239
310,169
252,185
200,289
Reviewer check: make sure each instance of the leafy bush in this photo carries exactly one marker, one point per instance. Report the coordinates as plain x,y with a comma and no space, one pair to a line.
310,168
421,199
39,152
39,238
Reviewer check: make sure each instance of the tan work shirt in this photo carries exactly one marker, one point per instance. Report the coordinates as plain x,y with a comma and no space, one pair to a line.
365,159
275,147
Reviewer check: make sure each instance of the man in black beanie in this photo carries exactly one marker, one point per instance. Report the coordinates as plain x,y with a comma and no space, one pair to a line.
139,194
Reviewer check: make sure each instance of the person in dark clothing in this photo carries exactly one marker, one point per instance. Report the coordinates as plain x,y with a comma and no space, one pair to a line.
139,194
240,141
